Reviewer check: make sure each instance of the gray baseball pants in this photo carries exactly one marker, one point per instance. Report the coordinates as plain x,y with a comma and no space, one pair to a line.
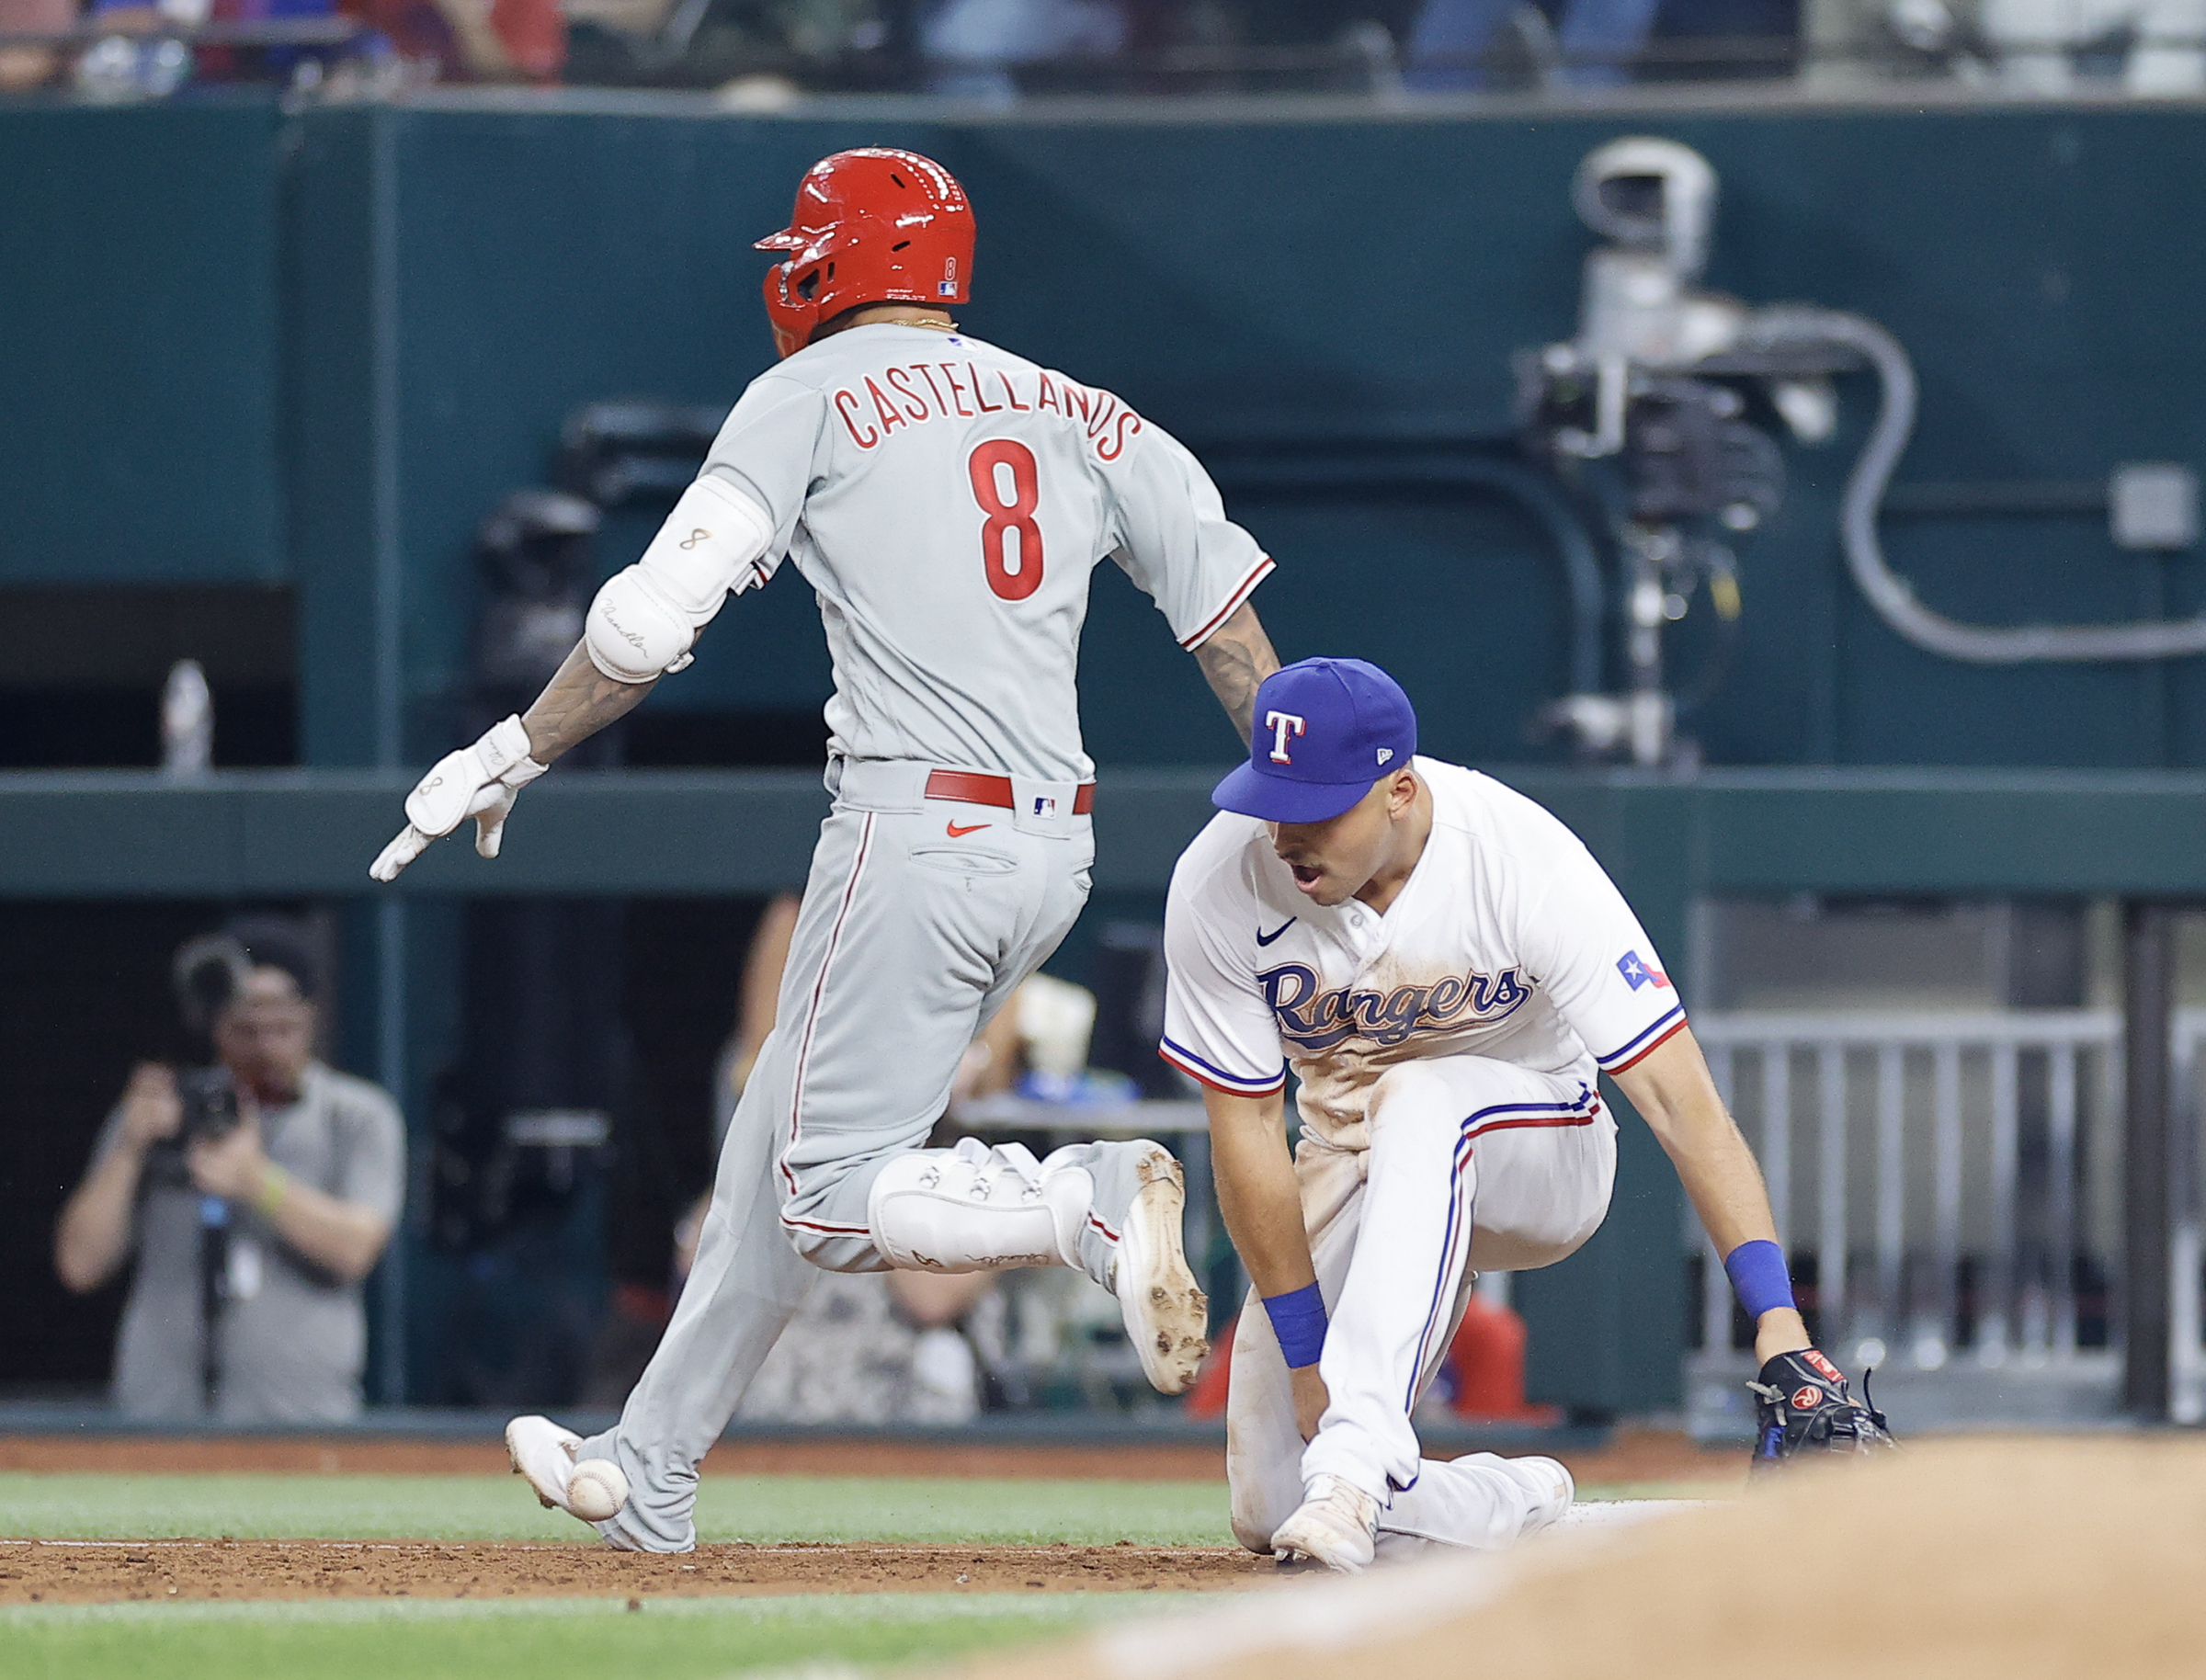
920,918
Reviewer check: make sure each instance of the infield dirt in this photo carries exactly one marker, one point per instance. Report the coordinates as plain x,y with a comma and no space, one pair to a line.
60,1570
2002,1558
104,1571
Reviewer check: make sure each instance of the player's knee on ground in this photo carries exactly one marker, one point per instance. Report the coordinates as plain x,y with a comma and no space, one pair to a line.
1263,1447
1262,1497
1255,1529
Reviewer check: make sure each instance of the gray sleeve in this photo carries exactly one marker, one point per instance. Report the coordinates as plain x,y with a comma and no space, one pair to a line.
769,448
370,1152
1175,541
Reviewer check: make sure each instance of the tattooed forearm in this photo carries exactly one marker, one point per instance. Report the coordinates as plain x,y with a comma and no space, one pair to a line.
1235,659
576,705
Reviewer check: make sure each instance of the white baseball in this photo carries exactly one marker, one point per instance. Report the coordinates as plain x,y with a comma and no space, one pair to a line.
597,1490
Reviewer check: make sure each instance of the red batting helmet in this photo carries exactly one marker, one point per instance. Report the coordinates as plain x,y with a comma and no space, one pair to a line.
872,226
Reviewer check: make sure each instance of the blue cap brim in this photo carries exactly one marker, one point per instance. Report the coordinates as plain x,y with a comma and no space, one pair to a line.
1250,793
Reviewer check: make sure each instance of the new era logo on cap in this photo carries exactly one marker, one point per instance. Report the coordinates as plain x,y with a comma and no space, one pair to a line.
1328,729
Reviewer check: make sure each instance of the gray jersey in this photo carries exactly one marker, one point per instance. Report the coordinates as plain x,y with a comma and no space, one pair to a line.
294,1336
948,500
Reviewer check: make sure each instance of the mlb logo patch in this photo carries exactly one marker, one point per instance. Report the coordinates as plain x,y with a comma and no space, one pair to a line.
1044,807
1637,973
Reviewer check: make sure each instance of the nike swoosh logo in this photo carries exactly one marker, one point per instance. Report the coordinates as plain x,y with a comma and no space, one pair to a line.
971,828
1266,938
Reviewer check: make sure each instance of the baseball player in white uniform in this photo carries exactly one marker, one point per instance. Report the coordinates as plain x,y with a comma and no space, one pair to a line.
947,501
1448,973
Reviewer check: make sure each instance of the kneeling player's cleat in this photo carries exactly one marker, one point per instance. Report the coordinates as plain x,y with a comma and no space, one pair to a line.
1166,1311
1551,1489
543,1452
1336,1525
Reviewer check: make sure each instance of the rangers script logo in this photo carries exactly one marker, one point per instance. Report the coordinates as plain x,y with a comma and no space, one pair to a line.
1311,1019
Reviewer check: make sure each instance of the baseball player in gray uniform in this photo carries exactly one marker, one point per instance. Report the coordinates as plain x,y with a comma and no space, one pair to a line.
946,500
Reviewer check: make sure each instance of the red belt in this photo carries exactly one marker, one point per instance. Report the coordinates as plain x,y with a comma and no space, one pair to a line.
970,788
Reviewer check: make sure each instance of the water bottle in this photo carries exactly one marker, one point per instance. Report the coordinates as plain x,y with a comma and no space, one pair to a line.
187,716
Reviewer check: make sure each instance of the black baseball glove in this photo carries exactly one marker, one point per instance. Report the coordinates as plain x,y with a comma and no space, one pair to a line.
1801,1405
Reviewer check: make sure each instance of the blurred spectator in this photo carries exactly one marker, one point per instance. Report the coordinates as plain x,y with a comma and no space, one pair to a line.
2043,46
27,67
465,40
256,1195
1595,41
2153,47
975,44
875,1347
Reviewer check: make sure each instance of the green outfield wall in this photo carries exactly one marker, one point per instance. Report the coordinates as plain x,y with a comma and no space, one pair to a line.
317,347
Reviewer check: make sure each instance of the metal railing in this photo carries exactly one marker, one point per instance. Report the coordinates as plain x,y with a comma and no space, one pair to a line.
1948,1188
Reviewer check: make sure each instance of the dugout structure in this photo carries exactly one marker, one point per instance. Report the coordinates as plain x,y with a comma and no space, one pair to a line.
1607,1324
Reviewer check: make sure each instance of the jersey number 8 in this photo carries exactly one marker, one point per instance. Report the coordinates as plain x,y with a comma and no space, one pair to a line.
1013,575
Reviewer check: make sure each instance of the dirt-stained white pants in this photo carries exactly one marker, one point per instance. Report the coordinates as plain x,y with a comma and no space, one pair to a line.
1475,1165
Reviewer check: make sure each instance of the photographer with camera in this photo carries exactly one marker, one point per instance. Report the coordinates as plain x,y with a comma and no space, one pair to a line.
257,1193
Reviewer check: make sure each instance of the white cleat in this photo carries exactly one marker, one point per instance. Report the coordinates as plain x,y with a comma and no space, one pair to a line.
1551,1489
1336,1525
1167,1315
593,1489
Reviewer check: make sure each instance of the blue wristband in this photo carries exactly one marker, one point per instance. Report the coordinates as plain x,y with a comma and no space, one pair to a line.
1298,1319
1757,1272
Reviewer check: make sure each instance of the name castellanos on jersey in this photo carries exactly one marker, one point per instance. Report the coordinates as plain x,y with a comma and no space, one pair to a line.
1314,1019
920,391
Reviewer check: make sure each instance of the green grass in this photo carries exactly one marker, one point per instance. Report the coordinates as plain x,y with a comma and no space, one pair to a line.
775,1509
763,1508
563,1638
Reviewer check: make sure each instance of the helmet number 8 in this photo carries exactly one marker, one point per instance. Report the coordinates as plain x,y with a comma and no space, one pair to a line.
1014,573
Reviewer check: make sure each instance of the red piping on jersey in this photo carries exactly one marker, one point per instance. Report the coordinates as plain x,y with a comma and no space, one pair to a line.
1233,605
819,990
1108,1234
1195,1073
1677,1027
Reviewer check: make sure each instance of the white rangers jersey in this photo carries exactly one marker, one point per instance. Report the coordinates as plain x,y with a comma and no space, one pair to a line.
1507,940
948,500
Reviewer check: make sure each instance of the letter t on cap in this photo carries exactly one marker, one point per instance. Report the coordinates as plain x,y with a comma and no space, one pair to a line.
1282,724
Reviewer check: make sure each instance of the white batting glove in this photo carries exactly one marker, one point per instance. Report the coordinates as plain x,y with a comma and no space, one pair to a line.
479,782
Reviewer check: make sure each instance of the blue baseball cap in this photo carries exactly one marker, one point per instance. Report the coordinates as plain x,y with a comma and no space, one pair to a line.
1326,730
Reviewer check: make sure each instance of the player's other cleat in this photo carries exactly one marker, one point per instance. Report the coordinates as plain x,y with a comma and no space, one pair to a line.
1167,1314
1551,1489
1336,1525
544,1453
